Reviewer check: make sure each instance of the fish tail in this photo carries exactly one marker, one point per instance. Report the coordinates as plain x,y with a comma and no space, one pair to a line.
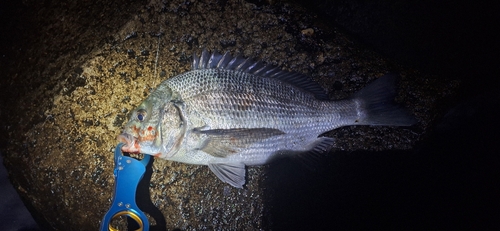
376,104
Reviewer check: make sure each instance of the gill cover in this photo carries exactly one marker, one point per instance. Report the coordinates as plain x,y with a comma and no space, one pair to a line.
173,128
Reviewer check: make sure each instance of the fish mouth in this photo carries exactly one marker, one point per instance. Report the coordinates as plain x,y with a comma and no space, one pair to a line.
131,145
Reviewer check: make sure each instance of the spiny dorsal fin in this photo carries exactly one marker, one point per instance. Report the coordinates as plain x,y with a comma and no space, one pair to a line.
215,60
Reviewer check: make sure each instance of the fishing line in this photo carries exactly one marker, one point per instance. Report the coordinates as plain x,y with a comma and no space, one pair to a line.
157,55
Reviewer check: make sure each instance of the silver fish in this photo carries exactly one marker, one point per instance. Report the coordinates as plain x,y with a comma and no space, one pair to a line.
230,112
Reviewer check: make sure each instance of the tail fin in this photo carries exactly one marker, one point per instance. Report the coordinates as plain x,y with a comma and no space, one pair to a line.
377,104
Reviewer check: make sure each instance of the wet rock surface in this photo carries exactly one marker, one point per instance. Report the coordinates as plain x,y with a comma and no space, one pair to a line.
70,84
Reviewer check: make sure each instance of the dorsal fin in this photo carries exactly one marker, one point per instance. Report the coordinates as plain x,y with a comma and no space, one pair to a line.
248,65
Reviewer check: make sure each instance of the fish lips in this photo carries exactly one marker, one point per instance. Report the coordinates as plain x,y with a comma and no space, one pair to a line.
131,145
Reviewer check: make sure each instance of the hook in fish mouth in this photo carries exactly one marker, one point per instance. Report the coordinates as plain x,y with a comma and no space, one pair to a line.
131,145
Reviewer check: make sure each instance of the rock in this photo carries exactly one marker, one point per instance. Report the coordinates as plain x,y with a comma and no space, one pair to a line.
308,32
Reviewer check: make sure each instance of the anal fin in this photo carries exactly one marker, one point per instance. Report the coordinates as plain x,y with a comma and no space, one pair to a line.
316,151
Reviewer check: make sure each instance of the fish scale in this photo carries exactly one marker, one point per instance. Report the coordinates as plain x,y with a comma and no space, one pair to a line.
229,112
268,97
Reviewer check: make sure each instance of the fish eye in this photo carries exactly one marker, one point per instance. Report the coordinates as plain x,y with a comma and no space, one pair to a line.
141,114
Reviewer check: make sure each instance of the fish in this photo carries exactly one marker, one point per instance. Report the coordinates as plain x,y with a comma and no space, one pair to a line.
231,112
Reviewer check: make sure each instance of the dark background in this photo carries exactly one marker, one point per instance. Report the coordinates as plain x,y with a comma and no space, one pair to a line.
448,181
13,215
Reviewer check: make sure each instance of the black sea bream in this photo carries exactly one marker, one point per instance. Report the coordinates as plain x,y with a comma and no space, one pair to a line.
231,112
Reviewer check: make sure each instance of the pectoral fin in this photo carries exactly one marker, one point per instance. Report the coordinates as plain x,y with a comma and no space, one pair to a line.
224,142
233,174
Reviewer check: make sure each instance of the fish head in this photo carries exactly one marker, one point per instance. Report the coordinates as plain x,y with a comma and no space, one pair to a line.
141,133
156,127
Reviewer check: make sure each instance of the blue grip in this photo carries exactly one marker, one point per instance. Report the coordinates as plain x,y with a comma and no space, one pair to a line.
128,173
